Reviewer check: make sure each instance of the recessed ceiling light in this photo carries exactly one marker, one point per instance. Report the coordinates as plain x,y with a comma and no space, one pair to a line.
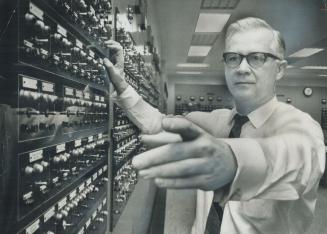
211,23
315,67
189,72
193,65
199,50
306,52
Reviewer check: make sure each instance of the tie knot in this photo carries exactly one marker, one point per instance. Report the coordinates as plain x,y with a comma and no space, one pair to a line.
240,120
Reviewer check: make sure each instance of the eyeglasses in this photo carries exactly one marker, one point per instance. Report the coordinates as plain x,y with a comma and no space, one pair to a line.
255,59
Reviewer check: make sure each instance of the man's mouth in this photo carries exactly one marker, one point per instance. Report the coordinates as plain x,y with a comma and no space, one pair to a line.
243,82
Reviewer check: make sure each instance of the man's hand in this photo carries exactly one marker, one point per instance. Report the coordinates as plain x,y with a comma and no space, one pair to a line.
116,67
200,161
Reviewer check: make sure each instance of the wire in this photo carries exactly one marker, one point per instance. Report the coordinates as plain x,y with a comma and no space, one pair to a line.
8,22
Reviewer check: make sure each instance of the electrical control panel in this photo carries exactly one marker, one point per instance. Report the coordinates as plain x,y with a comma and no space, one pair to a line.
69,170
57,86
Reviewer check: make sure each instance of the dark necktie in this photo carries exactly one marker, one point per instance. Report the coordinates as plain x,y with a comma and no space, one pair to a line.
216,212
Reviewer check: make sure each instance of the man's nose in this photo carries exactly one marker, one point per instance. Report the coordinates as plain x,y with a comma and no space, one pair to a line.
244,67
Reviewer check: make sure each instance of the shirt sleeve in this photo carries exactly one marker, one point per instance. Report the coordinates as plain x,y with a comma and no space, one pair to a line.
281,167
142,114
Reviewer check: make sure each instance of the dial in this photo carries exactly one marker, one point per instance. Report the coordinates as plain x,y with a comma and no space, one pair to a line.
307,91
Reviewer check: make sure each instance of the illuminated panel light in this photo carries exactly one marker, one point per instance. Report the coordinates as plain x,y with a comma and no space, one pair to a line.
306,52
192,65
314,67
199,50
211,23
189,72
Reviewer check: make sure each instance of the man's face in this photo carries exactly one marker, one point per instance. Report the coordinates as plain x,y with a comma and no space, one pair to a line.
254,85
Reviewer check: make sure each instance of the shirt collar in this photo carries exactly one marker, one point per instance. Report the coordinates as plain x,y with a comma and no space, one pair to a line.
260,115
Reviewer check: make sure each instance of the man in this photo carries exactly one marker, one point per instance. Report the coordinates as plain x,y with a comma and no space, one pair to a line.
266,173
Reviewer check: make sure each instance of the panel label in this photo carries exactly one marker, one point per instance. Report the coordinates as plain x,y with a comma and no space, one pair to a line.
81,187
60,148
100,135
94,214
87,96
88,222
62,203
105,168
28,44
36,11
72,195
29,83
33,227
78,142
79,44
69,91
55,180
49,214
34,156
91,53
88,182
61,30
90,138
44,52
47,87
97,98
95,176
79,94
27,195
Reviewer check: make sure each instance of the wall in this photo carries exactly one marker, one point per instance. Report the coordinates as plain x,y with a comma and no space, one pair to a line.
289,87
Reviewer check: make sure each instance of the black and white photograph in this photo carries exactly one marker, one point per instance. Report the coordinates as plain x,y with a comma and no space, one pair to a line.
163,116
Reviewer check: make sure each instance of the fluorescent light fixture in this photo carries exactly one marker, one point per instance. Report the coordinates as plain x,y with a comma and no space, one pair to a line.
306,52
211,22
322,75
200,51
290,66
189,72
193,65
314,67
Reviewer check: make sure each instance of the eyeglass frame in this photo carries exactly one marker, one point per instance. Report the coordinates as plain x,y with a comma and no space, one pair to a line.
267,55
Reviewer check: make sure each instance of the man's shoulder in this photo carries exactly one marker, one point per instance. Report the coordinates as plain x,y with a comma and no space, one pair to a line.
289,113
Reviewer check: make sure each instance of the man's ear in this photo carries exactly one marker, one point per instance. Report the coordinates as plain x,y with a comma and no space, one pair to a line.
281,69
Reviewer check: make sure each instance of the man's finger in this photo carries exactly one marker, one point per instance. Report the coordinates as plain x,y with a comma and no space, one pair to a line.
113,45
165,154
182,183
183,168
182,126
162,138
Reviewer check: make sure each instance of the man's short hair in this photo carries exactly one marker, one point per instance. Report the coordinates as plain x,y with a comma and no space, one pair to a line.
256,23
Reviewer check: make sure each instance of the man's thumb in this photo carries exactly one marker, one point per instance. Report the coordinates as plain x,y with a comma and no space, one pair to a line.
182,126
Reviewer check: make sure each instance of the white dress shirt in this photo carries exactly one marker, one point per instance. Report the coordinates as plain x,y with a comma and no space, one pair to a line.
280,158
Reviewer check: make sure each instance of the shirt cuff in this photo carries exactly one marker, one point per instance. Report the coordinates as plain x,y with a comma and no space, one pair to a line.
251,169
126,99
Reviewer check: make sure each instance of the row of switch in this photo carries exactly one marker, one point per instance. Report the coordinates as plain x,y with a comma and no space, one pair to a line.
67,213
43,173
125,151
94,18
124,183
57,49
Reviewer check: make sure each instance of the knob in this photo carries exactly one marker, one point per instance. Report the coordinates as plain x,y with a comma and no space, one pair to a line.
56,159
38,168
29,18
39,24
44,164
29,170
